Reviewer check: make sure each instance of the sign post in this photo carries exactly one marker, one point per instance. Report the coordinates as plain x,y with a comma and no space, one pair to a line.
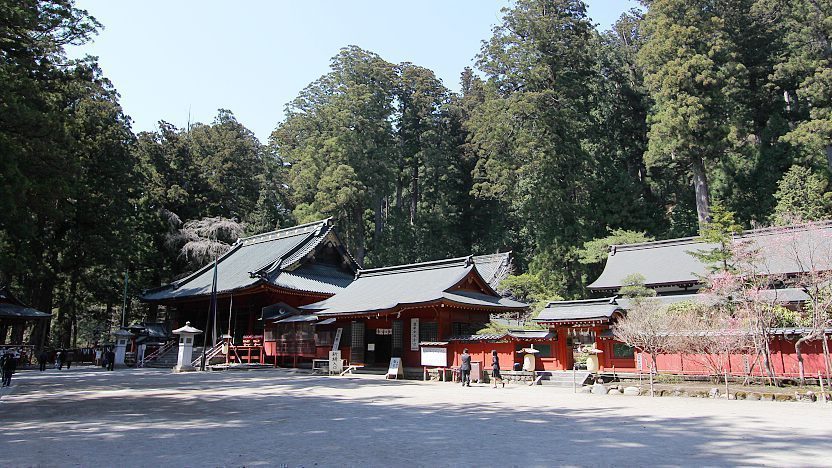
336,343
395,368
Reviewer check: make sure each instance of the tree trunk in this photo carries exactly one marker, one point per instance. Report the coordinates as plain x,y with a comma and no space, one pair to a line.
652,369
358,225
700,186
827,360
797,351
379,223
414,190
829,157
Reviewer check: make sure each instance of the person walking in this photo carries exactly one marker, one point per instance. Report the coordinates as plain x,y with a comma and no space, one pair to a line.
70,355
111,360
43,358
465,367
9,367
58,360
495,369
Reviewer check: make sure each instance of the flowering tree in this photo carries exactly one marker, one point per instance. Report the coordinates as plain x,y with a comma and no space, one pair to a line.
648,327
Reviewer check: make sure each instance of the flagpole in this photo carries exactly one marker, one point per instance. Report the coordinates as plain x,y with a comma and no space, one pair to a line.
124,300
211,309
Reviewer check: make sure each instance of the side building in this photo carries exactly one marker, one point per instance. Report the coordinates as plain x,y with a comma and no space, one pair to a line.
677,276
389,312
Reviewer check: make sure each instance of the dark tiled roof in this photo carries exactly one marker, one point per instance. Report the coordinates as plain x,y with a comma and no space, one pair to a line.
669,263
21,312
270,258
603,309
420,283
494,267
585,310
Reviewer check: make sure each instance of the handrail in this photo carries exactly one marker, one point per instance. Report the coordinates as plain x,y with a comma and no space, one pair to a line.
216,349
158,353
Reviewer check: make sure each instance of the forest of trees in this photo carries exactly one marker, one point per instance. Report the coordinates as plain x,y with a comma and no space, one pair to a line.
562,141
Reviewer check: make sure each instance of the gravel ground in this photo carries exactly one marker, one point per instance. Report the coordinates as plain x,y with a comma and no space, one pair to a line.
89,417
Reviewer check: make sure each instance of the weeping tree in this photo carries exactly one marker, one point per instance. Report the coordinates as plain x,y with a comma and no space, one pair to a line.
202,240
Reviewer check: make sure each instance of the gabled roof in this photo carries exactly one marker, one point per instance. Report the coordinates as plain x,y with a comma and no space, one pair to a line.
274,258
384,289
669,263
587,310
493,267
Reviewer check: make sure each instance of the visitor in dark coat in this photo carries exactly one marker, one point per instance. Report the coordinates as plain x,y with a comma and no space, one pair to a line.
9,367
70,356
111,360
465,367
495,369
61,359
43,357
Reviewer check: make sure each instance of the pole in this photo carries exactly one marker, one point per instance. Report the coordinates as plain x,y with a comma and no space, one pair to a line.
124,300
822,392
211,307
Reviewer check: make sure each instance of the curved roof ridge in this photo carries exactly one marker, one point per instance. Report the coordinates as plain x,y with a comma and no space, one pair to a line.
748,233
601,300
285,232
461,261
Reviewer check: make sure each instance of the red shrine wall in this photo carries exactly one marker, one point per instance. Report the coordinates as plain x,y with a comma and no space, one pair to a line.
783,355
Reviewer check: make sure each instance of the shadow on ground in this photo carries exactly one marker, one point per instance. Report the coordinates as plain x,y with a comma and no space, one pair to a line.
94,418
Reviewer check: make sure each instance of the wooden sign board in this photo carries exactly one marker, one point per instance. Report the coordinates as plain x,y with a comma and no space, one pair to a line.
336,343
395,369
336,365
434,356
414,334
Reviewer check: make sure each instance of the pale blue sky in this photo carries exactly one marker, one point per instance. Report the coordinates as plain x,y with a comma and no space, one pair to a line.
169,58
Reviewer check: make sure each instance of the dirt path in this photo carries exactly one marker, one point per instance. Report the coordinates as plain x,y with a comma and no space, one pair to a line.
88,417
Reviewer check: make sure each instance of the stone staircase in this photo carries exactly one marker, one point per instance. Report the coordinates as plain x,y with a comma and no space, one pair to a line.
168,359
564,378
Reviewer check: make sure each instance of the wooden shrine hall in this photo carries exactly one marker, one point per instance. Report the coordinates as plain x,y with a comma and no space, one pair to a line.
293,267
283,296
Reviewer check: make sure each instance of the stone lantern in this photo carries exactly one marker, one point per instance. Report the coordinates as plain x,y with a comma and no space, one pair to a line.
186,347
122,337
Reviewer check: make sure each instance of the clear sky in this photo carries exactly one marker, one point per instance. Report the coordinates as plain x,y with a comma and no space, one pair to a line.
171,59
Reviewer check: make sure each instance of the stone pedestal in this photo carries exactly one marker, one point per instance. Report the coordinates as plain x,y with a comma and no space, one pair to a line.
122,337
186,347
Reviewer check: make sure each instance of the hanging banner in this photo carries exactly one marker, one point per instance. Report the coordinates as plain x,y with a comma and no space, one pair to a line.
414,334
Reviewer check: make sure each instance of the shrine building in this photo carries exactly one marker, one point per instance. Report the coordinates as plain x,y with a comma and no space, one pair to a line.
676,276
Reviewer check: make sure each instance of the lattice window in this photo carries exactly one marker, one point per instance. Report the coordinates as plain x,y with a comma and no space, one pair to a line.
398,338
428,331
357,342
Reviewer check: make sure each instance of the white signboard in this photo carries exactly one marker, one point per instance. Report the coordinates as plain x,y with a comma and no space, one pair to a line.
337,342
395,369
639,361
436,357
384,331
414,334
371,346
336,365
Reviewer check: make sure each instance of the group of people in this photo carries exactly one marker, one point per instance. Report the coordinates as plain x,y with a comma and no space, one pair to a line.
465,369
105,358
8,365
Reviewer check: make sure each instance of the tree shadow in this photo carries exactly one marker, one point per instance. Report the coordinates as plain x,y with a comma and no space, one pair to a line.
270,418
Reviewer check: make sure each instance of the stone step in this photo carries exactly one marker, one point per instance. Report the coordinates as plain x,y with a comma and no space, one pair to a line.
563,378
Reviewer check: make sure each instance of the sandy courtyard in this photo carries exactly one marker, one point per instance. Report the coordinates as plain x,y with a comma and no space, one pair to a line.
88,417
